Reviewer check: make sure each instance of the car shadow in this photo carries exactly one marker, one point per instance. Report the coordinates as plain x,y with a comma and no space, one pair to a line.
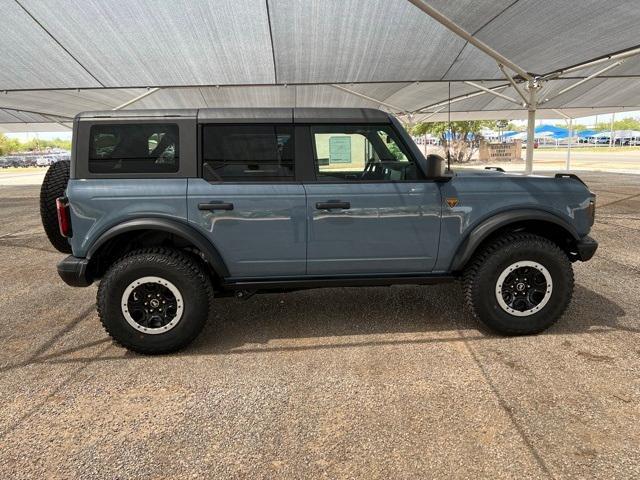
325,317
355,317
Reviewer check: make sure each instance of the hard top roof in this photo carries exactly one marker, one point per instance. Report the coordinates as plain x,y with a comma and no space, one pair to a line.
253,115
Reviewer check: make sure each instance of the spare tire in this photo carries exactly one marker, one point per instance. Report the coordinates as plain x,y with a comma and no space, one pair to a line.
53,186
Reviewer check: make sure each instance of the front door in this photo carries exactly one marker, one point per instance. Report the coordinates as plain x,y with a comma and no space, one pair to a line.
247,202
370,210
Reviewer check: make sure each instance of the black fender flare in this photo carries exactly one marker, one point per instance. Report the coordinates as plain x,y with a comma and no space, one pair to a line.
488,226
169,226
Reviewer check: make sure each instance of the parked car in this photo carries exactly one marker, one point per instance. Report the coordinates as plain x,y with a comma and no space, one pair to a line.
16,160
171,209
29,161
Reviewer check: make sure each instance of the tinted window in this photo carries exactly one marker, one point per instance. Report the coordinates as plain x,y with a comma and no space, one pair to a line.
361,153
247,153
134,148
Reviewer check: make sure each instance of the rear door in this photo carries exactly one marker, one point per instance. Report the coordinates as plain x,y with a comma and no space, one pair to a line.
247,201
370,210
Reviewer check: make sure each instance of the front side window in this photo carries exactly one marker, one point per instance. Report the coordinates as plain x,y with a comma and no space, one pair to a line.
360,153
134,148
247,153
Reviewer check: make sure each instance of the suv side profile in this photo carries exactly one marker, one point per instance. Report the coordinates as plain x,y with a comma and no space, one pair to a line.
170,209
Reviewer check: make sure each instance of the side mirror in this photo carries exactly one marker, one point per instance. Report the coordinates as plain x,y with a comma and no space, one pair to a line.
435,166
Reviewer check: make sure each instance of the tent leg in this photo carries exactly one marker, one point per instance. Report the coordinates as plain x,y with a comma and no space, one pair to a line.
568,165
613,117
531,125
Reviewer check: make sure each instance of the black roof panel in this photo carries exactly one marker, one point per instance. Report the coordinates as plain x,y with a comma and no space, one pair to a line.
244,115
333,115
253,115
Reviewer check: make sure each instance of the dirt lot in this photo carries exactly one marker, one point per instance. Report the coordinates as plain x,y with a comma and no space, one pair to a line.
361,383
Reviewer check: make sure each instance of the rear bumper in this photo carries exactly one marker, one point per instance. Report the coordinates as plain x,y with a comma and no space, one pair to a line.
586,247
74,271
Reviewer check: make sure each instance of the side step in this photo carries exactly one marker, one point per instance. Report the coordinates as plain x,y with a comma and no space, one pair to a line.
294,283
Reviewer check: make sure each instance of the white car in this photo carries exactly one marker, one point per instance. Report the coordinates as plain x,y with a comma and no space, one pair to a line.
43,161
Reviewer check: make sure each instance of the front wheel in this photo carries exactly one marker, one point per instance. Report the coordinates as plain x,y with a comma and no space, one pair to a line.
154,300
519,284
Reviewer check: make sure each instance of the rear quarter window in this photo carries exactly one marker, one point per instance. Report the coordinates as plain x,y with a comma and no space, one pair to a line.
134,148
247,153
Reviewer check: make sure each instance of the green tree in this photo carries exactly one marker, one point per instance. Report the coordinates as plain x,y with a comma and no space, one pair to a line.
13,145
39,144
465,136
8,145
628,123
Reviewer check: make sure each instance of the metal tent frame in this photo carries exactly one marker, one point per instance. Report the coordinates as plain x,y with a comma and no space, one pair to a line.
533,84
512,84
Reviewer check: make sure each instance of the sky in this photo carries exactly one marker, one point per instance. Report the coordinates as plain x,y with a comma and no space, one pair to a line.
23,137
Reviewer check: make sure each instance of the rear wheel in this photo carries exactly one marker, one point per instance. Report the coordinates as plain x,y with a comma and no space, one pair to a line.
154,300
53,186
519,284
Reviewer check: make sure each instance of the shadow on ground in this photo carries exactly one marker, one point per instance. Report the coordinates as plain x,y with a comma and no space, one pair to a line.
325,318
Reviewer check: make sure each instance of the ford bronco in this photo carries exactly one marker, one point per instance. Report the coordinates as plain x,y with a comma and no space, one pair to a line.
170,209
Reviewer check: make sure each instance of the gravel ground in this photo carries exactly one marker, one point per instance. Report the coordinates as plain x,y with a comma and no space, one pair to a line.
368,383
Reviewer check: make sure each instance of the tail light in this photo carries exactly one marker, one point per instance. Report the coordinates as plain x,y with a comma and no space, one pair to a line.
64,218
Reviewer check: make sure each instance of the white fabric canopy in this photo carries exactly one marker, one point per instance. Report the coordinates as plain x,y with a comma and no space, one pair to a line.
61,57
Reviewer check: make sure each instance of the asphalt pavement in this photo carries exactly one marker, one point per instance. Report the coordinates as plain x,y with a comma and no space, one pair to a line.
397,382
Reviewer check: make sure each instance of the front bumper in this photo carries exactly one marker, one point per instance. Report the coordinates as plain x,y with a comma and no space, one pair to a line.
586,247
74,271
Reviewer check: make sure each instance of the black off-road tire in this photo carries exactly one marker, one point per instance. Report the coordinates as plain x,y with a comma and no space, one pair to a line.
184,271
482,274
53,186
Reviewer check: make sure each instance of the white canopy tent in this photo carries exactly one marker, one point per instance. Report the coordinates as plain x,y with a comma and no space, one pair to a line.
416,58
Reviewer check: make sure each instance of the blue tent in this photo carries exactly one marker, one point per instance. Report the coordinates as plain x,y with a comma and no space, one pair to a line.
587,133
557,133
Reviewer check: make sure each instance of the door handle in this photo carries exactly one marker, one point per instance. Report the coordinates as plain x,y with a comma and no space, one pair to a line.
215,206
332,205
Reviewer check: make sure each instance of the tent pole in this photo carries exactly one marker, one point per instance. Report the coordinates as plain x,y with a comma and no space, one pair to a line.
568,166
44,114
513,83
493,92
56,121
613,116
531,125
584,80
458,99
398,110
462,33
135,99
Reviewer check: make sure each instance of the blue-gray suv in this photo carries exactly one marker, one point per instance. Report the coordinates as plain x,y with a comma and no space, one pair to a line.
170,209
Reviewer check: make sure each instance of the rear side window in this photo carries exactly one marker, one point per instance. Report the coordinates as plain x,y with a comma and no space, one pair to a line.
247,153
134,148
